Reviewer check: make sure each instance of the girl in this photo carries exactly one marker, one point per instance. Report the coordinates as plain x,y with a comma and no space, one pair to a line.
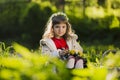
59,38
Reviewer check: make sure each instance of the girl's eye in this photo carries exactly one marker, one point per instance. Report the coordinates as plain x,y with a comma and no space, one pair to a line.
60,26
57,26
63,26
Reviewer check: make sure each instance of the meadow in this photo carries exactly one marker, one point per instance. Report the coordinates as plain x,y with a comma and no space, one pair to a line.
97,24
20,63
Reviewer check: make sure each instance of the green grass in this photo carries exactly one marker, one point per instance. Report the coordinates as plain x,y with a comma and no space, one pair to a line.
19,63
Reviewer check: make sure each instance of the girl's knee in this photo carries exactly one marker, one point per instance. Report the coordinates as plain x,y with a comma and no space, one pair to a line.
71,63
79,64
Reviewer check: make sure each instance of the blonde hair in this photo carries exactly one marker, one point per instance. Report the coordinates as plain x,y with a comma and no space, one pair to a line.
57,18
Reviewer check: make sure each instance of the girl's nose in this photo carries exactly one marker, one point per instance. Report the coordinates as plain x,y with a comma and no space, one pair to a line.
60,29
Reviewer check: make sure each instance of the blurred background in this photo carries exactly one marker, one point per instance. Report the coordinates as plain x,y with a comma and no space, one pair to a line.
94,21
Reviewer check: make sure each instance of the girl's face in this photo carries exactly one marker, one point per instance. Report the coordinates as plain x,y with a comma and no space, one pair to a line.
59,30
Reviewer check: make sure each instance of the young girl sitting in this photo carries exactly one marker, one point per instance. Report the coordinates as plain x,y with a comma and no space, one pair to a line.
59,38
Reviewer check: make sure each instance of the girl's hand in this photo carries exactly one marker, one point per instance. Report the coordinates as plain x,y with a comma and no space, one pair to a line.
63,52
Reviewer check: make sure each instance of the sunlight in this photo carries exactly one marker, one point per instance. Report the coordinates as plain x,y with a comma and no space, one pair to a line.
97,12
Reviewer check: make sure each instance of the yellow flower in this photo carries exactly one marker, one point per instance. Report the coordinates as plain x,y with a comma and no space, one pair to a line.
77,53
80,53
72,52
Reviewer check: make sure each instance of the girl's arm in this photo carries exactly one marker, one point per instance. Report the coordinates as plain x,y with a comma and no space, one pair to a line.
47,51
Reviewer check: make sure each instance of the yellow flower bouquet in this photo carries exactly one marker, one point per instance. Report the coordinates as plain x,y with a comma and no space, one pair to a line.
75,53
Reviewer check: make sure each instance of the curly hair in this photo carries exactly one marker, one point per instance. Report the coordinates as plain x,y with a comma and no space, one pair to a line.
58,18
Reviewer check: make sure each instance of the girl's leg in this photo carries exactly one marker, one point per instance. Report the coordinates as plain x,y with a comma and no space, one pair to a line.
71,62
79,64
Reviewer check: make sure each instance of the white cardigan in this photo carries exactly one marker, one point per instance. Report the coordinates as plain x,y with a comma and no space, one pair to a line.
48,46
